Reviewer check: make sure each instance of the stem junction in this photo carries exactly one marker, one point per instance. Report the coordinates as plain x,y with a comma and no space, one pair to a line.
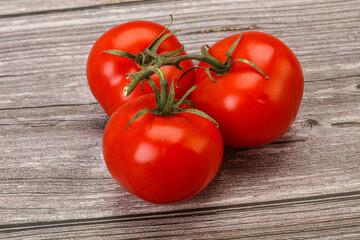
166,105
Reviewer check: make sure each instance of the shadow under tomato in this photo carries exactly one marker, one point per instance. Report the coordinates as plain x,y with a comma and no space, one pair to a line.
248,172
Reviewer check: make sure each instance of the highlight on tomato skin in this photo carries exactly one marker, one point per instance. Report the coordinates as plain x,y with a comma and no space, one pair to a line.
161,159
106,73
250,109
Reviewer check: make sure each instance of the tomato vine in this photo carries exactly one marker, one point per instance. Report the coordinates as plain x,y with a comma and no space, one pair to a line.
149,60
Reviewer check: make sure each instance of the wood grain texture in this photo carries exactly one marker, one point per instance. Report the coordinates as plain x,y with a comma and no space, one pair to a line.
50,51
53,180
326,217
16,8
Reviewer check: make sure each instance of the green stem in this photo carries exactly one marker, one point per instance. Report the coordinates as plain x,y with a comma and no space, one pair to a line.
164,88
170,101
209,60
163,61
135,80
150,60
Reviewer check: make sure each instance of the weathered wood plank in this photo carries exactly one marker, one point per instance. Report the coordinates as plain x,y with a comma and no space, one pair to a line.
318,217
50,51
14,8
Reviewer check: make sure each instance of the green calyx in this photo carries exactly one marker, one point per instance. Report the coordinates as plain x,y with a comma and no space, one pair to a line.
166,105
149,59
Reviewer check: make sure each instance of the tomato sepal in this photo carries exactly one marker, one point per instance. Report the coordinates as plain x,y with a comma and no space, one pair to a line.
166,105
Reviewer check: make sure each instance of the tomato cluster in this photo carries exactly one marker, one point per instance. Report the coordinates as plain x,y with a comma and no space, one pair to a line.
156,145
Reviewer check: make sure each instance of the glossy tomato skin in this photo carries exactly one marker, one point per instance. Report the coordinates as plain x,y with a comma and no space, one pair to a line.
250,109
161,159
106,72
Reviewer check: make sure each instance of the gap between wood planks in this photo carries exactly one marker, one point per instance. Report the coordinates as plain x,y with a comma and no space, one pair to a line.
49,106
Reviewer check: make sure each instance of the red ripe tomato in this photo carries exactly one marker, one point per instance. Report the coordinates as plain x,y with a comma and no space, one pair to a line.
161,159
250,109
106,72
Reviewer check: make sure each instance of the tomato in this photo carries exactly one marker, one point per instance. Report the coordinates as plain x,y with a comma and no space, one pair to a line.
250,109
106,72
161,159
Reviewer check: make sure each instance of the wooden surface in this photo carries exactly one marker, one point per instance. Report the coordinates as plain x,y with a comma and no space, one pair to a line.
53,180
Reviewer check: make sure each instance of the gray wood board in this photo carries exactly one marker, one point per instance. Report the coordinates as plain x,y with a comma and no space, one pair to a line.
15,8
50,51
53,180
